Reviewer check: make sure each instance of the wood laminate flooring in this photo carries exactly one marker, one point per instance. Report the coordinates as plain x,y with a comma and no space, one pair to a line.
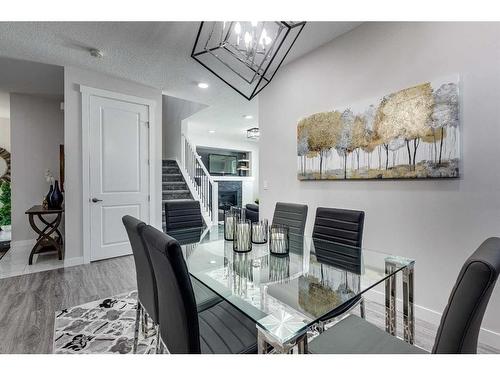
28,303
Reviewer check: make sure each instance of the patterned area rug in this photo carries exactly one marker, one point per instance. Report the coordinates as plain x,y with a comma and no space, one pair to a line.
102,326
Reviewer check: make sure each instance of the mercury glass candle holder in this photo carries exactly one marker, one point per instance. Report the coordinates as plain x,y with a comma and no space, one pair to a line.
242,242
229,220
238,211
279,243
259,232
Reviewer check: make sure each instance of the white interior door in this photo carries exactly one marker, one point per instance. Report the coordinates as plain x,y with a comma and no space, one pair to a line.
119,172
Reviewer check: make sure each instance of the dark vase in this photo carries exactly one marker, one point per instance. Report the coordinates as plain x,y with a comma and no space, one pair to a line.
49,194
56,198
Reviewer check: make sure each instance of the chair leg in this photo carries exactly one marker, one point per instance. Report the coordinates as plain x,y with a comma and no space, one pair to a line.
158,340
137,323
362,308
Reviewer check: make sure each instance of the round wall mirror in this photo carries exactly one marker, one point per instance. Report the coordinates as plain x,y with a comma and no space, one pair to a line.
4,165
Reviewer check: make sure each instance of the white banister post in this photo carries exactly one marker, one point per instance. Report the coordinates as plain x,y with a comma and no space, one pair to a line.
183,151
215,203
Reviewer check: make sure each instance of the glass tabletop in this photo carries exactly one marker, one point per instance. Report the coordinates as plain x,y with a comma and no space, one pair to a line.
285,295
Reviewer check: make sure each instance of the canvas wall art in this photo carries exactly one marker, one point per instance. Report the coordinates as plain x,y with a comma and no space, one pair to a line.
413,133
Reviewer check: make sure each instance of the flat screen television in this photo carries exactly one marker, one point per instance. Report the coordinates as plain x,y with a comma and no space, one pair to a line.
222,164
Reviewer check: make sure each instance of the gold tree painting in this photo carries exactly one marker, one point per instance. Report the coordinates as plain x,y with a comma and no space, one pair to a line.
413,133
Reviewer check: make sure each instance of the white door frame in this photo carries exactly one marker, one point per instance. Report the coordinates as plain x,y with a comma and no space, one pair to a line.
87,92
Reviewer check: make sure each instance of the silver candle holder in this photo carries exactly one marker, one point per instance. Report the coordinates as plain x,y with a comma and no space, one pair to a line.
259,232
279,243
229,219
242,242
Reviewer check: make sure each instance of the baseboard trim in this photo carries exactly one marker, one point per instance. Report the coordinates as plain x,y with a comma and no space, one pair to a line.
486,336
71,262
22,243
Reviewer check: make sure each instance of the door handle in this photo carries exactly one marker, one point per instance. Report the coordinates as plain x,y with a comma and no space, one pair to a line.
95,200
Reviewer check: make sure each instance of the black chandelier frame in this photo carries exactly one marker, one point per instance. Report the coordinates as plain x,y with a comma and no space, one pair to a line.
258,88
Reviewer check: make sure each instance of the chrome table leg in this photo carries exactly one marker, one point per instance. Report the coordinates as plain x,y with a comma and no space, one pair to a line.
302,344
158,340
269,344
262,345
390,299
408,308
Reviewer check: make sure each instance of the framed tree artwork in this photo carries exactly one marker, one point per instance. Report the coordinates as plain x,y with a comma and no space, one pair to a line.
413,133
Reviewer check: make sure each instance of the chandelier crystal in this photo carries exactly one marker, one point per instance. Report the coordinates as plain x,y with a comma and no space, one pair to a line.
245,54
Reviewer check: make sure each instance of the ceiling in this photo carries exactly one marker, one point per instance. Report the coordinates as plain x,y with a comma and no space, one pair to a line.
27,77
156,54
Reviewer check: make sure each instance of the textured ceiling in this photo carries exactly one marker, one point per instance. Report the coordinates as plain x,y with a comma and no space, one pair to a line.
27,77
152,53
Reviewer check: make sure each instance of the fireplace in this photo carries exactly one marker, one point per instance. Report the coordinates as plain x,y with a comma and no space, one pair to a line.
227,199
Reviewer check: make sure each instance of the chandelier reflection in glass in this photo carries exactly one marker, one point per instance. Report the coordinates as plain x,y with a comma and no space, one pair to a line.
245,55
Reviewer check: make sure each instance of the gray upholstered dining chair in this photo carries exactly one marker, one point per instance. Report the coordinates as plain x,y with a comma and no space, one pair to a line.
460,323
147,295
182,214
337,237
294,217
219,329
340,226
147,301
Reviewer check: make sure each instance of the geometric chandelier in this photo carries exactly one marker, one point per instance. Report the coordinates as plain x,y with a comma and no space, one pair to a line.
245,55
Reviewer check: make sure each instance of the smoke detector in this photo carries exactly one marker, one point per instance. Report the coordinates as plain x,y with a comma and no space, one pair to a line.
94,52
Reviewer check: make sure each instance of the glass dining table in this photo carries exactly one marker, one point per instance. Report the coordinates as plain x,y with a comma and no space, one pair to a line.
289,296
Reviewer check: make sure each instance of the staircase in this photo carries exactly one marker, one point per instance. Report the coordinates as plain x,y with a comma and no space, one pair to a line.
173,185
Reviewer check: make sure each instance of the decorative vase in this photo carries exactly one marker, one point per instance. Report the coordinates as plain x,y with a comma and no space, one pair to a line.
46,201
56,198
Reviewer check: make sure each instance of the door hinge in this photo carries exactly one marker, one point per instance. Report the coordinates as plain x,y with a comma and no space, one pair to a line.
149,162
147,123
149,198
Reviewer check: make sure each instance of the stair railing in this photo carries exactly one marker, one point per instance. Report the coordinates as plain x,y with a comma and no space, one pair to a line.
207,190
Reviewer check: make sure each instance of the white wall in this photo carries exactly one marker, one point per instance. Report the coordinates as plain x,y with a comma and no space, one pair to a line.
5,133
439,223
37,130
5,120
216,140
73,78
175,110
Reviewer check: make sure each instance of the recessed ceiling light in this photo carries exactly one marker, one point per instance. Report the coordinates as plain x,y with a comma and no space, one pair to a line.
203,85
248,117
211,131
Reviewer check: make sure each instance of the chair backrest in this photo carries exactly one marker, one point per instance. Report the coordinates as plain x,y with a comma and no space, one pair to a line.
146,282
340,226
252,212
186,236
185,213
292,215
178,316
462,317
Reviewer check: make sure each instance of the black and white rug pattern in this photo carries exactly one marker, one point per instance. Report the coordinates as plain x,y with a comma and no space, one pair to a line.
102,326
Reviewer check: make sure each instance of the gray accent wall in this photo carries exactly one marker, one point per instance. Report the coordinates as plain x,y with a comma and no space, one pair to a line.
439,223
37,130
175,111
